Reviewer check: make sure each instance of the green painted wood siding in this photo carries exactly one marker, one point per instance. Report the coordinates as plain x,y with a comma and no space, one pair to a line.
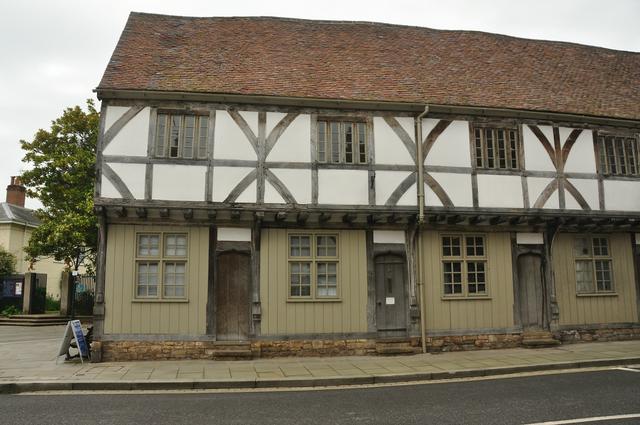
281,316
124,315
587,310
493,312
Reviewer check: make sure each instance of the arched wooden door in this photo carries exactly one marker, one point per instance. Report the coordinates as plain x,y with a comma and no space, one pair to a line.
530,292
391,309
232,296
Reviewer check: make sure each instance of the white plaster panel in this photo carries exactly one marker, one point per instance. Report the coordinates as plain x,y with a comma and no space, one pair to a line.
451,147
251,117
622,195
343,187
234,234
428,124
273,118
386,183
581,158
389,149
250,194
589,191
225,179
294,144
113,114
132,139
495,191
529,239
457,187
178,182
430,197
271,195
297,181
133,176
230,141
388,236
536,157
536,185
108,190
407,123
410,197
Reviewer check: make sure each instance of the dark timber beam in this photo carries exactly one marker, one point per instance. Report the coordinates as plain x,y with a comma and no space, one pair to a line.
349,218
235,214
212,214
141,212
164,212
497,220
455,219
302,217
477,219
514,221
324,217
188,214
281,216
393,219
374,219
121,212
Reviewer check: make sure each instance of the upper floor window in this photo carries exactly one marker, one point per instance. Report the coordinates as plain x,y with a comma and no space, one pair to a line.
594,272
619,156
342,142
496,148
181,136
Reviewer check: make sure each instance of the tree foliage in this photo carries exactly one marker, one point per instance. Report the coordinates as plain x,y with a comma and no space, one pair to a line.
7,262
61,176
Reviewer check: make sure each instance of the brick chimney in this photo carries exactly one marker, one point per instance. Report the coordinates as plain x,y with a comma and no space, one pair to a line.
16,192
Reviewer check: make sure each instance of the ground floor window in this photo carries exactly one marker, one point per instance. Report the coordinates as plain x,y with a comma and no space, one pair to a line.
313,266
161,265
593,265
464,265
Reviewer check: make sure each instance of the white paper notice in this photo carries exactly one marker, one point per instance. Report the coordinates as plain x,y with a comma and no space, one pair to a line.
390,301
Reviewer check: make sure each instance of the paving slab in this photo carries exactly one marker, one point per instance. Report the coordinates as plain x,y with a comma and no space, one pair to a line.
28,363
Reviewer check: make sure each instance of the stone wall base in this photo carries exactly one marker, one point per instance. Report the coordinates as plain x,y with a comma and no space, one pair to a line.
605,334
206,350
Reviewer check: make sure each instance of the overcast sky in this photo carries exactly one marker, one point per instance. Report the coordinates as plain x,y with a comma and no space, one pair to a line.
54,52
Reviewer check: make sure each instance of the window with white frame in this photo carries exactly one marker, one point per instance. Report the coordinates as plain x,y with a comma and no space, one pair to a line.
313,266
342,142
161,265
619,156
181,135
464,265
594,273
496,148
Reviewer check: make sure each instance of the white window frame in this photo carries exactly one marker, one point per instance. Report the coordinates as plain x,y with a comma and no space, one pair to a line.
313,260
464,259
592,258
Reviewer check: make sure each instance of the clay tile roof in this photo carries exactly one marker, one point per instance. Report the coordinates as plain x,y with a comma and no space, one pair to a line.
371,62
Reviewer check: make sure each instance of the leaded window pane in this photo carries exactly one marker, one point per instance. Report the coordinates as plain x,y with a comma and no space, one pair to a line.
584,276
327,279
174,279
490,148
300,279
189,136
582,247
174,136
603,275
175,245
335,142
348,143
326,246
300,246
362,143
600,247
452,277
451,246
478,146
147,279
322,141
476,277
475,246
202,136
161,134
148,245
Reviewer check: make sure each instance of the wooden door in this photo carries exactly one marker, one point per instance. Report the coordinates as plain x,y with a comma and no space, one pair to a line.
390,295
530,292
232,296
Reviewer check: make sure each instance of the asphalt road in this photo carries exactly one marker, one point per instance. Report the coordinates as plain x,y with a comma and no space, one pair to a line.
519,400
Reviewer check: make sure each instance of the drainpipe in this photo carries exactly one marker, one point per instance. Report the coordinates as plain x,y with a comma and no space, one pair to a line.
419,284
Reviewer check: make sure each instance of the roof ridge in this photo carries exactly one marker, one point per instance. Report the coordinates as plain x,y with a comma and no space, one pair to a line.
383,24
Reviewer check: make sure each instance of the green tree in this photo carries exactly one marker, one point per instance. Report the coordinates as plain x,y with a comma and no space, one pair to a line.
61,175
7,262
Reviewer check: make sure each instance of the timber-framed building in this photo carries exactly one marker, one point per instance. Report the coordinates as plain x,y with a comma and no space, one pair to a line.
260,190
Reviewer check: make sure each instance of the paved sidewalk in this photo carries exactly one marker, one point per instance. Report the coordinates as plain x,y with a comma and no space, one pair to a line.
30,365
